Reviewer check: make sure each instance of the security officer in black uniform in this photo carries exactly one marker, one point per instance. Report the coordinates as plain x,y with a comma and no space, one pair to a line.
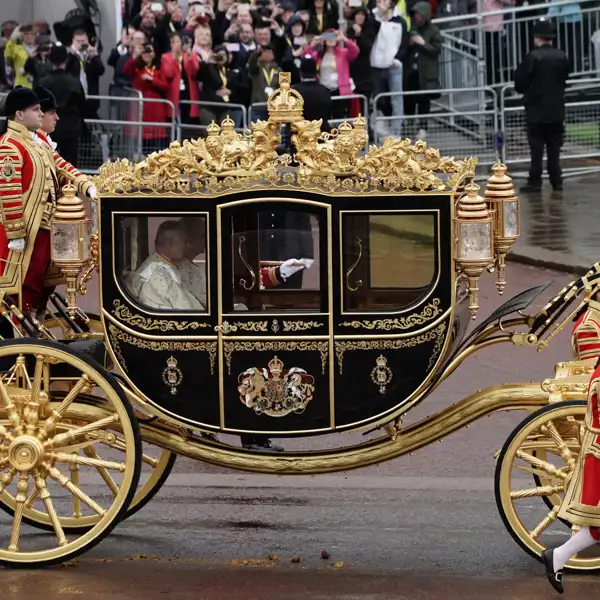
542,78
317,98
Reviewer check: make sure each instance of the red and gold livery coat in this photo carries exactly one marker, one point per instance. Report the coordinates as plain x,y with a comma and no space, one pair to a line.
582,501
585,337
27,196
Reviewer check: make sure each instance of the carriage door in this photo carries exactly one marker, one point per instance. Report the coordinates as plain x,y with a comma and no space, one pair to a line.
274,316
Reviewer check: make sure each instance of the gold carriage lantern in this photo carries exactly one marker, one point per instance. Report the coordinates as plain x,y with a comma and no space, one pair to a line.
474,249
70,241
504,206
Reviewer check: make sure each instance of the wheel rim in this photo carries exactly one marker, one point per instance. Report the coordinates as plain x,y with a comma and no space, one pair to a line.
546,444
47,455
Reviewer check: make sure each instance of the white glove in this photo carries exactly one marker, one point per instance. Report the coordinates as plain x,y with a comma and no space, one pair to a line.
16,34
293,265
396,63
92,192
18,245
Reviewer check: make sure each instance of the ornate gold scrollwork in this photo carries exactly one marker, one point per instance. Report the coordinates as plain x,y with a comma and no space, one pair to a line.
268,346
349,272
437,348
86,274
342,346
381,375
116,336
252,325
122,312
429,312
300,325
275,391
243,282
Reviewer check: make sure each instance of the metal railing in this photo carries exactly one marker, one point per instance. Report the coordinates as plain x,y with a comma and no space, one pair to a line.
486,47
128,136
212,111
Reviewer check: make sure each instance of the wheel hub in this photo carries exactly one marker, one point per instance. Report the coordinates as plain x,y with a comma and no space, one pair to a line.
25,453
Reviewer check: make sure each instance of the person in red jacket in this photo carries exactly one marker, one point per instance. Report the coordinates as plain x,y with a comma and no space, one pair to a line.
180,68
149,79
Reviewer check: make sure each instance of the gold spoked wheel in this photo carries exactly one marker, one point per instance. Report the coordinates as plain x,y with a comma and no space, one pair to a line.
546,444
49,451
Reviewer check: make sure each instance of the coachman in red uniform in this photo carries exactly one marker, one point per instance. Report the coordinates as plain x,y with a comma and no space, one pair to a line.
582,502
27,195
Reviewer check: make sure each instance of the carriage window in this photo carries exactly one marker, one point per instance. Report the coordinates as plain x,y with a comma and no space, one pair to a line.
161,261
275,256
389,260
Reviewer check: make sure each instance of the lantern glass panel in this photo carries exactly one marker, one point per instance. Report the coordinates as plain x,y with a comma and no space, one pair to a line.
65,241
511,224
85,235
94,217
475,241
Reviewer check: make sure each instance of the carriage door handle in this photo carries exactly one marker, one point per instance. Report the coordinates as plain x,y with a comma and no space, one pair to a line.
226,328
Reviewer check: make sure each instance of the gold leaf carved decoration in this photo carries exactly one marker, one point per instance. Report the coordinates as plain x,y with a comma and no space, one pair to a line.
341,347
117,336
300,325
255,326
331,161
428,313
268,346
122,312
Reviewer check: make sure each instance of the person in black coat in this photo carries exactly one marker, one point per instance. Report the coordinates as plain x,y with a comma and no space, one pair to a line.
317,98
361,30
70,100
542,78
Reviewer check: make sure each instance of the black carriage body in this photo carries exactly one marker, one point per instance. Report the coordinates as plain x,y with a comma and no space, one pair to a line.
353,341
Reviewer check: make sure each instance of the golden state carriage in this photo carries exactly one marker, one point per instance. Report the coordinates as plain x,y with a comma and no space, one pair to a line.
383,250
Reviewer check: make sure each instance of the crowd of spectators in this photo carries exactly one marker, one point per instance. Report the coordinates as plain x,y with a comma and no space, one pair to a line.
225,53
231,53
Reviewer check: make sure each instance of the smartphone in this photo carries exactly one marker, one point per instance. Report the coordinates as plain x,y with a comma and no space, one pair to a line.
355,3
200,10
300,41
232,47
157,7
329,36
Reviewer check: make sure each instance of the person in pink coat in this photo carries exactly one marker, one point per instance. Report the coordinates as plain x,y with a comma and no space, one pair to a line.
334,52
180,68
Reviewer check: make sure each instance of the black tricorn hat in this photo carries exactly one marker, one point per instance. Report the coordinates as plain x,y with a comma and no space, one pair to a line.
47,99
21,98
544,29
58,55
308,67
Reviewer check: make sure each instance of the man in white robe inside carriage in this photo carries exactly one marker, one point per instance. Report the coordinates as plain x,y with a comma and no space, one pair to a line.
167,279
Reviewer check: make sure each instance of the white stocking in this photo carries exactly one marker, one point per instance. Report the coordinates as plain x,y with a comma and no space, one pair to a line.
580,541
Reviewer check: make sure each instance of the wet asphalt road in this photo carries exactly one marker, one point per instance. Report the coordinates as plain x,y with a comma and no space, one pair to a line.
423,526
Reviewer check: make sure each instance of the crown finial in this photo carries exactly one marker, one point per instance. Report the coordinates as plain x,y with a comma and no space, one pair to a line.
275,366
213,129
285,104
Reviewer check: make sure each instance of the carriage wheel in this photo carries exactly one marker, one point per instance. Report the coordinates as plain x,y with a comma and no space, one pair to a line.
157,465
49,462
546,444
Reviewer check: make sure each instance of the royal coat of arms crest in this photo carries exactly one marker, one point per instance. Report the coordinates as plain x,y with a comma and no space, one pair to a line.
276,392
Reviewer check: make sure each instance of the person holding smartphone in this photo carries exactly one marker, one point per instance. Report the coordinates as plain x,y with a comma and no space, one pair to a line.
334,53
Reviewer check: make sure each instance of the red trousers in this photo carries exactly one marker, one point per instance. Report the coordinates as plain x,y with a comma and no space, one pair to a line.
35,295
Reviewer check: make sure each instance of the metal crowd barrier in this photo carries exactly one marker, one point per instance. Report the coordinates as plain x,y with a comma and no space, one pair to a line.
581,149
211,111
123,137
486,47
470,129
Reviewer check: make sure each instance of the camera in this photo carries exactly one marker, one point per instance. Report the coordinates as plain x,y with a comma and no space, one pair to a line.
219,59
84,47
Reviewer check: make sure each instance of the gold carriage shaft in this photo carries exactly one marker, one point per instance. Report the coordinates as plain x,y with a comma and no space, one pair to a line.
248,289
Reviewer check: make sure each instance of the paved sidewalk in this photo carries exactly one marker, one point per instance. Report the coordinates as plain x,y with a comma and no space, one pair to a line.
560,233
